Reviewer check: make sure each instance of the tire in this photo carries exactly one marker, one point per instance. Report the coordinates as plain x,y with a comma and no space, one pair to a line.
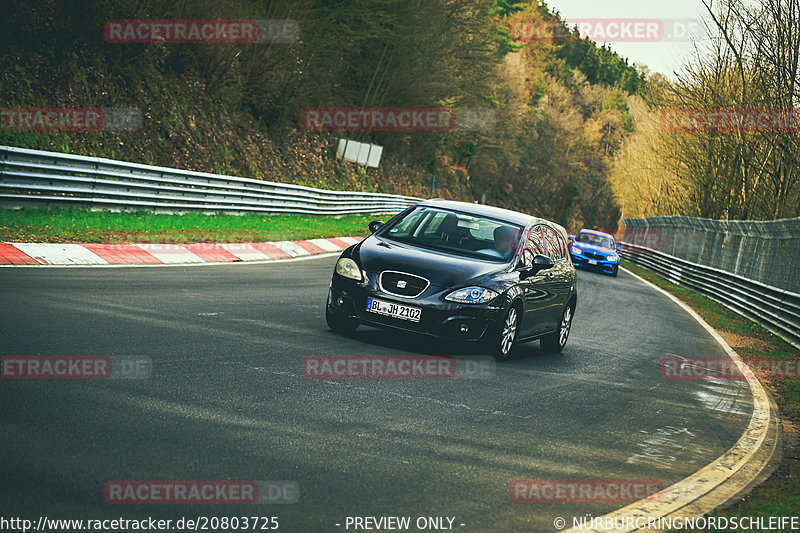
555,342
501,343
340,323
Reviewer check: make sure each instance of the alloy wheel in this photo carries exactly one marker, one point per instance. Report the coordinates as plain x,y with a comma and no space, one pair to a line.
509,331
566,324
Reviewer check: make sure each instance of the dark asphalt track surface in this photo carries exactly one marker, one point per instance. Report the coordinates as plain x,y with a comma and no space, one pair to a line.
226,400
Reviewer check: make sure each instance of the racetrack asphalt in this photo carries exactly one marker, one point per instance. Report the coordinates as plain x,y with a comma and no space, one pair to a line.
226,400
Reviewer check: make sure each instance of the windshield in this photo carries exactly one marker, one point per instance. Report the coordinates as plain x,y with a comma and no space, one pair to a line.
597,240
459,233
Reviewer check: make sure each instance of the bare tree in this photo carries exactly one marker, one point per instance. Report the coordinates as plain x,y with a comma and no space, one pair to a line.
752,63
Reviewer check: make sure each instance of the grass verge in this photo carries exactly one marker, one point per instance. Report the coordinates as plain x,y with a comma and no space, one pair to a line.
61,225
780,494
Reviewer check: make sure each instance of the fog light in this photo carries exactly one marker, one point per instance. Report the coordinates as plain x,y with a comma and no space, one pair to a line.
464,328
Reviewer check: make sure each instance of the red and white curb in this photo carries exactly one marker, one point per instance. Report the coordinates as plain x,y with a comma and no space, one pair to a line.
17,253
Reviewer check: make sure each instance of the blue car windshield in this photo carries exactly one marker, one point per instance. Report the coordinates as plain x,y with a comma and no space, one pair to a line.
463,234
597,240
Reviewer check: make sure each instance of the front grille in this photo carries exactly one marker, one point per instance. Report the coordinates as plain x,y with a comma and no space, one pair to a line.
590,255
402,284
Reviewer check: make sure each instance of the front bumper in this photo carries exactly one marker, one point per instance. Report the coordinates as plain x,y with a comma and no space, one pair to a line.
439,317
604,265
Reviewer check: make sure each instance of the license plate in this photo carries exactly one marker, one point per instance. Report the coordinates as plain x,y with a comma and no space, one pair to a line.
592,262
394,310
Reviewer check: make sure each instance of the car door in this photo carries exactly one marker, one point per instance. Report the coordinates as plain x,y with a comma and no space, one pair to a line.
536,289
558,279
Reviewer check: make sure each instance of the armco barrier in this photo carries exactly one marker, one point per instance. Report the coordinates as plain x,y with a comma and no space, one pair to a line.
776,309
762,250
31,177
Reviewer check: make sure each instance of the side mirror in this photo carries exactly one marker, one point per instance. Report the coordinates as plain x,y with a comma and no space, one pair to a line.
619,247
375,225
540,262
571,238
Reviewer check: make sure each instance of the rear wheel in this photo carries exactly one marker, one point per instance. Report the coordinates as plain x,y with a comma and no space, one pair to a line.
503,340
555,342
340,323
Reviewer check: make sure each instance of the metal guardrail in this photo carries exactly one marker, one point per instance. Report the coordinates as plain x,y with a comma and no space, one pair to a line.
762,250
30,177
776,309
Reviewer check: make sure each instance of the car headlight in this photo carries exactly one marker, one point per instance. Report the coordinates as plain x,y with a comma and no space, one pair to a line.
612,258
347,268
471,295
575,250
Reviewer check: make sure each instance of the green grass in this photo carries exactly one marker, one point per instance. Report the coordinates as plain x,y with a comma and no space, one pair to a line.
85,226
780,494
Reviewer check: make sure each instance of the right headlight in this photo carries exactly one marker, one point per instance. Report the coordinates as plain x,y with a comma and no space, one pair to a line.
575,250
471,295
347,268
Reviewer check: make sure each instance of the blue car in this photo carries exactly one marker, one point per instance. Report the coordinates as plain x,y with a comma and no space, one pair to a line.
594,250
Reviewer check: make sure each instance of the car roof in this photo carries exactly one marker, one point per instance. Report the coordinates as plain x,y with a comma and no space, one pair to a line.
595,232
484,210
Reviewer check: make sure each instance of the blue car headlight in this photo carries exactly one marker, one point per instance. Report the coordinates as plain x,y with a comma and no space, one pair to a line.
613,258
471,295
575,250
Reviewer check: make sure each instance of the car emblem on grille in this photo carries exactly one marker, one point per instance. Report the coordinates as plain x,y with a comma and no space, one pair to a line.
401,284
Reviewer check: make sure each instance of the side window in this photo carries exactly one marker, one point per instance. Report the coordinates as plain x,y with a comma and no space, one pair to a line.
552,244
534,245
563,246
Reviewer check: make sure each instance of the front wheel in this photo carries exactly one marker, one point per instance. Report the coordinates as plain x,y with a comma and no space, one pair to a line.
503,340
555,342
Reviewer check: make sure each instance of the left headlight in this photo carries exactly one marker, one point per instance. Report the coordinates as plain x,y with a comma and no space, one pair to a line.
612,258
471,295
575,250
347,268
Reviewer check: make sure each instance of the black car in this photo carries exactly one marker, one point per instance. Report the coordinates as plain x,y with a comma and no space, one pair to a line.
459,271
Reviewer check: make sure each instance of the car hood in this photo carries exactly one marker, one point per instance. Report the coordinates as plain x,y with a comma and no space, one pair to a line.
442,269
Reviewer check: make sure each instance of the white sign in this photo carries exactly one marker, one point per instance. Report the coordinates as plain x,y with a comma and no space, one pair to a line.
361,153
